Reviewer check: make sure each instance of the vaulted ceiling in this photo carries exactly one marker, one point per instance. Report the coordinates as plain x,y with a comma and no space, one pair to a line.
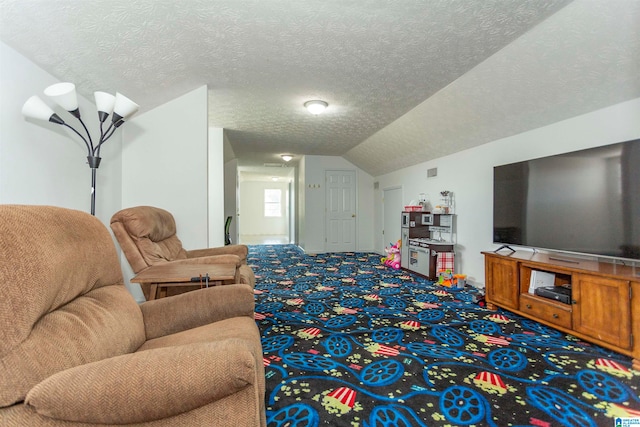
406,81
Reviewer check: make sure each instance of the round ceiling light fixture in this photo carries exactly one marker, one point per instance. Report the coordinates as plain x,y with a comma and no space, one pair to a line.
316,106
286,157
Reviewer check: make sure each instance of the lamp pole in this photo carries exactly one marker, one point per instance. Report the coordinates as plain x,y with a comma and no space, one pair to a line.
94,163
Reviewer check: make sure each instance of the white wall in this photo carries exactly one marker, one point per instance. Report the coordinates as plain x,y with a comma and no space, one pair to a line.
231,196
301,223
216,190
165,163
252,204
44,163
293,208
469,174
312,223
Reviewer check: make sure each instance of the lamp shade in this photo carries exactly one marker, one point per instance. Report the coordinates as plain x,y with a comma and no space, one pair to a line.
123,108
36,108
64,94
316,106
104,102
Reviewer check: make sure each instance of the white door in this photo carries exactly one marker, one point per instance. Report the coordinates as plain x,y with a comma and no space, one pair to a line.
392,215
341,211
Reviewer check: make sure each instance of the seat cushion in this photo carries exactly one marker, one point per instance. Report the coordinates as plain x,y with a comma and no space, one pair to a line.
242,327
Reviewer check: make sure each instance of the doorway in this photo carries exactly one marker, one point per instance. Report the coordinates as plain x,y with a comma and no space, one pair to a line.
392,209
265,213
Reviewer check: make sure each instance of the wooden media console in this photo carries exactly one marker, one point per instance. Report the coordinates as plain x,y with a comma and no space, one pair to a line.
605,297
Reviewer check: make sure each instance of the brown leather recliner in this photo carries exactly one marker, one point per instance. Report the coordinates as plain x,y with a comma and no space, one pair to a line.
77,350
147,236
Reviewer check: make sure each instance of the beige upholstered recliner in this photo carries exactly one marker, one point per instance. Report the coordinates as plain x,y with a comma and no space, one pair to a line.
77,350
147,236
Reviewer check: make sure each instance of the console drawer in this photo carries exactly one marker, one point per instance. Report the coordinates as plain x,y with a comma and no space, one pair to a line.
551,312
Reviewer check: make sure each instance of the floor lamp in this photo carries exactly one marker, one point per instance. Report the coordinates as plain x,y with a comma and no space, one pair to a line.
119,107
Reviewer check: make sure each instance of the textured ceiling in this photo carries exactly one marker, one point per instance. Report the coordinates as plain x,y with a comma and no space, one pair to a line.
585,57
428,76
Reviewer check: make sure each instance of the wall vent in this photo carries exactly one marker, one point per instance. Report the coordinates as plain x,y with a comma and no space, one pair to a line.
274,165
432,172
376,185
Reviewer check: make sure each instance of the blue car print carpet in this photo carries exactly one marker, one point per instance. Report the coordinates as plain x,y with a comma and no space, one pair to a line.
350,342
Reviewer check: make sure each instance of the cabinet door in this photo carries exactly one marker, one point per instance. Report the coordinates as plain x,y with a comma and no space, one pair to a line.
502,282
602,309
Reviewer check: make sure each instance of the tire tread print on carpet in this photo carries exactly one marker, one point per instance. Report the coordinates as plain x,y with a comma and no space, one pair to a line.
350,342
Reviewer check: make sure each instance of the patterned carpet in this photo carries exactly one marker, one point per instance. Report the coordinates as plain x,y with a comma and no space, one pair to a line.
349,342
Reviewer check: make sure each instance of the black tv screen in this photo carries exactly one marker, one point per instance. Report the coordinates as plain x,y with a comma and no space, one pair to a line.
585,202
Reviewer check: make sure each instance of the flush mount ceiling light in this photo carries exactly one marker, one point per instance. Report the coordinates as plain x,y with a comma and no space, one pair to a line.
286,157
316,106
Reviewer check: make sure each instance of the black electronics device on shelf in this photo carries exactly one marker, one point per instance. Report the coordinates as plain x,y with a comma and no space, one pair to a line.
558,293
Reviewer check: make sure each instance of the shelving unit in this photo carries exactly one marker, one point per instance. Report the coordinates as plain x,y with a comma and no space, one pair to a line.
605,297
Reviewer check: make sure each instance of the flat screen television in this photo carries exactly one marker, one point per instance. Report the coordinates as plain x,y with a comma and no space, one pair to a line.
583,202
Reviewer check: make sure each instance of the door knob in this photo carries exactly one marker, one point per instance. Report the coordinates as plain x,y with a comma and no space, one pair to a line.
353,215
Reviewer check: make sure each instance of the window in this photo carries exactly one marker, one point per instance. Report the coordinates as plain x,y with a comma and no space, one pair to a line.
272,203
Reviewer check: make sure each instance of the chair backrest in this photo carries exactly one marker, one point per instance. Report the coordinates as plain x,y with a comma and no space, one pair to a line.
147,236
62,298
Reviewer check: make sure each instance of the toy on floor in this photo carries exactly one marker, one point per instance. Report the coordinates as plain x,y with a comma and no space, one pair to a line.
445,278
459,281
393,256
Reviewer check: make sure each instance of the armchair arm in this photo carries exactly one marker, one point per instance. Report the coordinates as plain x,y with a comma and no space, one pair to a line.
211,259
240,250
196,308
146,386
